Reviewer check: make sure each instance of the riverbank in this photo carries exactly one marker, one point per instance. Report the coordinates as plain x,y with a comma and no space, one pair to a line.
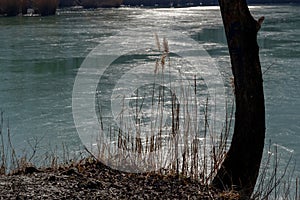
89,179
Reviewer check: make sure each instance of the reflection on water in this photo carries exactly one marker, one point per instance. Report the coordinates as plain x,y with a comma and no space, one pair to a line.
39,59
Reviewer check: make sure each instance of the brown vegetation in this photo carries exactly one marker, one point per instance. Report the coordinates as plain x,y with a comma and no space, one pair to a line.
45,7
90,179
16,7
13,7
103,3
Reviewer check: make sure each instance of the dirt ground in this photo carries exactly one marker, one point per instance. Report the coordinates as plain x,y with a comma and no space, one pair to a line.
90,179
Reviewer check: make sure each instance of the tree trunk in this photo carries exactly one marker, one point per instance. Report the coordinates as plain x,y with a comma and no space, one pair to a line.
240,168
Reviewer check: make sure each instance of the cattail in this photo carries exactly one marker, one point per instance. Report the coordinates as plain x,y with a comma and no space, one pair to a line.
157,41
163,61
156,66
166,45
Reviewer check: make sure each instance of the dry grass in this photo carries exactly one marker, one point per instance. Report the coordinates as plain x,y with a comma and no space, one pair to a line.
174,141
276,179
180,150
32,156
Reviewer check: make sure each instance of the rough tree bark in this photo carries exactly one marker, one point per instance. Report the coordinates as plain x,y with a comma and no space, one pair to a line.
240,168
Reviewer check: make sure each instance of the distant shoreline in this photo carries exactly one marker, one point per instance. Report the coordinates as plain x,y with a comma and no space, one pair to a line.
71,8
168,5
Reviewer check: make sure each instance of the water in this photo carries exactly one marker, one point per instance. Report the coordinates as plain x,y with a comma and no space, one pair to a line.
39,59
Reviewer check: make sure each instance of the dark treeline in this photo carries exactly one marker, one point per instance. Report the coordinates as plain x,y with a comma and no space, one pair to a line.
163,3
196,2
17,7
48,7
167,3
